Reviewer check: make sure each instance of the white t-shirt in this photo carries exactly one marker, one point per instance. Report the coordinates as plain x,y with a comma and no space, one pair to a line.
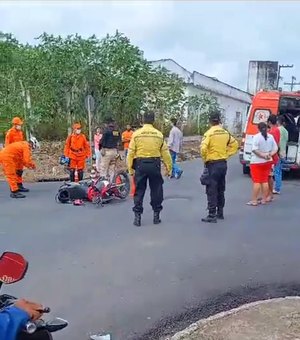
175,139
265,146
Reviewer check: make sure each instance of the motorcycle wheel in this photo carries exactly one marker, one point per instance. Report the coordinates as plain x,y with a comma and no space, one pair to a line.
122,177
38,335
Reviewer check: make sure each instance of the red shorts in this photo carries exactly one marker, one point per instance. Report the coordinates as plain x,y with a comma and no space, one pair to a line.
260,172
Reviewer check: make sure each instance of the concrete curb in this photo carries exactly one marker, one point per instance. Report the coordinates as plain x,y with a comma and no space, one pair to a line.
193,327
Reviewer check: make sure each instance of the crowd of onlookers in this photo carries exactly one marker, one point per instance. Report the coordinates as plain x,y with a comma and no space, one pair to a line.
269,149
175,140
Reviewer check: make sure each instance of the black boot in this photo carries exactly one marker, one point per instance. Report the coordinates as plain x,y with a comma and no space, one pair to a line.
220,214
80,175
211,218
16,194
156,217
137,219
22,188
72,175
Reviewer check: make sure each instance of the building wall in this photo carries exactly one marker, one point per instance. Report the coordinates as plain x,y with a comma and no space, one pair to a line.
262,75
173,67
233,101
235,111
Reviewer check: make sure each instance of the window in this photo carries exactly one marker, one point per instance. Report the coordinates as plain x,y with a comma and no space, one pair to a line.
260,115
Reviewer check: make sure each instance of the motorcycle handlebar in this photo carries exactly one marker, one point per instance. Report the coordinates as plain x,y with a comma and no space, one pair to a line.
45,310
32,326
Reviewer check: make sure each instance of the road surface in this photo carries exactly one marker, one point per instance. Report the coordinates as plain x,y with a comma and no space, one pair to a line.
94,268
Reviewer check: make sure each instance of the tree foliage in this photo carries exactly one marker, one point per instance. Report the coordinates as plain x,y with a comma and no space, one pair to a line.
46,84
199,110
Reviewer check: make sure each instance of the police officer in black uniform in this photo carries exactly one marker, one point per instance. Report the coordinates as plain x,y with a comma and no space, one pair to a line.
108,147
216,147
146,149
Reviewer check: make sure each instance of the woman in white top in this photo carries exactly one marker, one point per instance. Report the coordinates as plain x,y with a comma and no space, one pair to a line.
263,149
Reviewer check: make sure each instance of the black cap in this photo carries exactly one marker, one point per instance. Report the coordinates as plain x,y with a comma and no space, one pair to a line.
149,117
215,117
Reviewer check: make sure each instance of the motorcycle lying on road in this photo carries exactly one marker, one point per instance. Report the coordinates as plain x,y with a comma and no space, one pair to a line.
13,268
98,191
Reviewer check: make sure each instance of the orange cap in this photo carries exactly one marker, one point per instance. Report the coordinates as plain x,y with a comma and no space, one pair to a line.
76,126
17,121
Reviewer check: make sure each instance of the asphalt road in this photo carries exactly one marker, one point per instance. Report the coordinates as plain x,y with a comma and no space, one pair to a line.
94,268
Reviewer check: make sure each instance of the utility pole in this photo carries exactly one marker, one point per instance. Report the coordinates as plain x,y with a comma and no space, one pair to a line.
279,71
292,83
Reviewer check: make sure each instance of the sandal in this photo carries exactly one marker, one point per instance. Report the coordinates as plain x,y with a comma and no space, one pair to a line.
252,203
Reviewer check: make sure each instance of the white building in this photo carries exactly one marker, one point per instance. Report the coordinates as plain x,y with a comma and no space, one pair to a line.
233,101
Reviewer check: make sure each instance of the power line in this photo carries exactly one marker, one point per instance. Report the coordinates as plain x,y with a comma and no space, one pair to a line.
279,70
292,83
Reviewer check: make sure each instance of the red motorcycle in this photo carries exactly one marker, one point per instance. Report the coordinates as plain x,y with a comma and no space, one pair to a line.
98,191
13,268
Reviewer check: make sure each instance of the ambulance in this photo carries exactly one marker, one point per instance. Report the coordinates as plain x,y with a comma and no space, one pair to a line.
263,104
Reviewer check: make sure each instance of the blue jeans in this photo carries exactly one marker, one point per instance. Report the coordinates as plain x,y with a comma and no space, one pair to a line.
278,175
175,168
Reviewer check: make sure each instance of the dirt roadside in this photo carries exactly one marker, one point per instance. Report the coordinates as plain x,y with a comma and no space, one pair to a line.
48,168
275,319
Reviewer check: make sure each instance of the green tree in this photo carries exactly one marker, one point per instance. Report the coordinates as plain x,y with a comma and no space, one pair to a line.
47,83
199,110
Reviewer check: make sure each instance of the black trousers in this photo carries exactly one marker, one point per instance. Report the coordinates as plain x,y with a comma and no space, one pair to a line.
215,191
72,175
148,169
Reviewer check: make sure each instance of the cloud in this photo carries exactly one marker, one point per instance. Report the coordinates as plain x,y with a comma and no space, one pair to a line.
135,18
214,38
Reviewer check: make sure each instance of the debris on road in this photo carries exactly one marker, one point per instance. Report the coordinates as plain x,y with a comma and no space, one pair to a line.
100,337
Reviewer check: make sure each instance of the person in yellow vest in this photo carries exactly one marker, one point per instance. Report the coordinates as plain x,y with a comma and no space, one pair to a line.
216,147
13,135
146,148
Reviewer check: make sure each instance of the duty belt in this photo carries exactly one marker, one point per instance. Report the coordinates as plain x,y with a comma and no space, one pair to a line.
148,159
217,161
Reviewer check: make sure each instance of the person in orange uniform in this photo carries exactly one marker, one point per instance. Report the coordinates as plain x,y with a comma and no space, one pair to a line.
126,138
77,149
15,134
10,158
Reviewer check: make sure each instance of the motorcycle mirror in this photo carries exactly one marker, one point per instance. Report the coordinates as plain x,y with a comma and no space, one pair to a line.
56,325
13,267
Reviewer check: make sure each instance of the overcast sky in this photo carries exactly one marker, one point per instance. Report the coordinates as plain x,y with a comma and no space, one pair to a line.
216,38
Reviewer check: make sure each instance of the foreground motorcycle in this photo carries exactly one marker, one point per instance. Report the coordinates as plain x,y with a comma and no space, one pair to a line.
13,268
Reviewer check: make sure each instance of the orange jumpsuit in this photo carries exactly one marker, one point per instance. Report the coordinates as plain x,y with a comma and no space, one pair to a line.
13,135
11,157
77,148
